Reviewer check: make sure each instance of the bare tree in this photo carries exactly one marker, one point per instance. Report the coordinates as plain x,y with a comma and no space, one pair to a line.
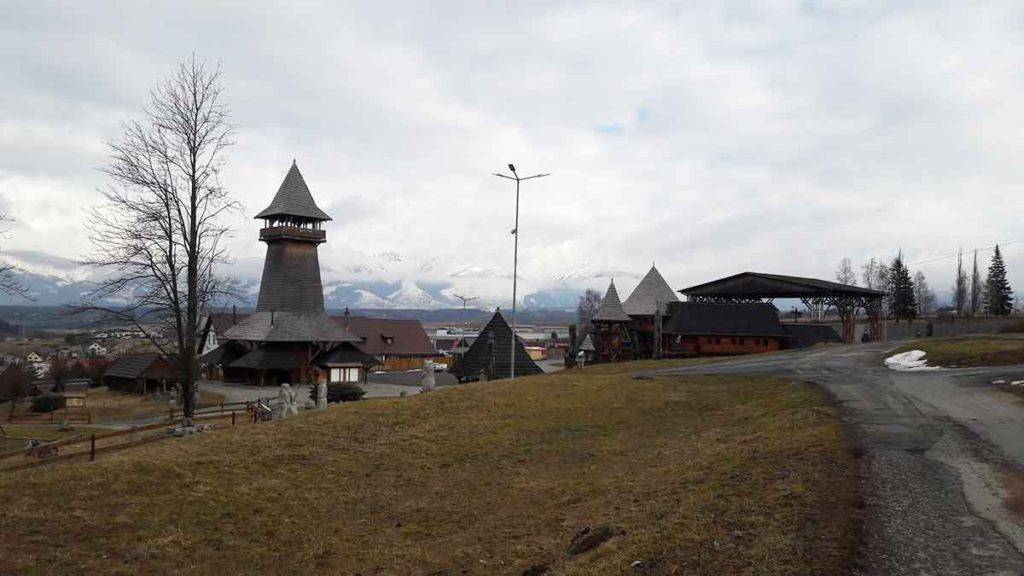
960,286
845,273
878,276
925,295
9,283
158,233
588,305
977,287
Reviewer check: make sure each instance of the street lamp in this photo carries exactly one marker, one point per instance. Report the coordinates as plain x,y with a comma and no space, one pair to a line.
515,260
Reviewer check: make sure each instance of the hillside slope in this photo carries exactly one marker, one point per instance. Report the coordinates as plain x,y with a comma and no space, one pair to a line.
698,476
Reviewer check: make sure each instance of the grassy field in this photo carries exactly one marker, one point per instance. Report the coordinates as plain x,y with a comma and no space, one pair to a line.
703,475
970,351
113,406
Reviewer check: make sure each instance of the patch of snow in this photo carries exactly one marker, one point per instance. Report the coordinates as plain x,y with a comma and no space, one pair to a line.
1017,383
912,361
999,382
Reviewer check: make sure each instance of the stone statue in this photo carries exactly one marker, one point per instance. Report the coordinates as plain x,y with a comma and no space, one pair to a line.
321,395
293,401
284,399
427,380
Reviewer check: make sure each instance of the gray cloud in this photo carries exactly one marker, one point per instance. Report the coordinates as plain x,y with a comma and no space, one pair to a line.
770,136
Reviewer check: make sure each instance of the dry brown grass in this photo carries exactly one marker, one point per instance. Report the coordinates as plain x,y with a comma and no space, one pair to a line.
109,406
707,475
970,351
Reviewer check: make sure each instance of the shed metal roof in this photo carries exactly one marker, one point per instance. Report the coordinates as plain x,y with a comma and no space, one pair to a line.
761,285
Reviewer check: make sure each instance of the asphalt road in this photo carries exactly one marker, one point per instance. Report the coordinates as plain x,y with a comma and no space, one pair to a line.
937,448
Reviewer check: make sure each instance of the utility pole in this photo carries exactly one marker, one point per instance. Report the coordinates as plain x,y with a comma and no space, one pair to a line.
515,261
465,299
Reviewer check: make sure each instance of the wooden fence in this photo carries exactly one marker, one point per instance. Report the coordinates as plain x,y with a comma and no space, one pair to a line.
54,417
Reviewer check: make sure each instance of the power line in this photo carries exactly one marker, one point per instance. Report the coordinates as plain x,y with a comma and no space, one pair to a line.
940,258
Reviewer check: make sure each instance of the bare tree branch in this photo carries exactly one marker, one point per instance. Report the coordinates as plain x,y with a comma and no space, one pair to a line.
157,233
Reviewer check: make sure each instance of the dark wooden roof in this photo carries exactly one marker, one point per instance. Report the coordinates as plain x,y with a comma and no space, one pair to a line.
492,350
224,354
807,335
140,366
407,337
611,307
651,292
707,319
275,356
290,327
760,285
346,353
293,199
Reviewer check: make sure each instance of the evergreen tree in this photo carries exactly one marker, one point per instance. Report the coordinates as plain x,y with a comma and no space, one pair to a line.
903,300
1000,296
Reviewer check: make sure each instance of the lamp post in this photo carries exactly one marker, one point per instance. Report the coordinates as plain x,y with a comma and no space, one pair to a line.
515,261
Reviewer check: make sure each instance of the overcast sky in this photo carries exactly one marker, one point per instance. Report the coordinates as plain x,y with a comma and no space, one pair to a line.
774,137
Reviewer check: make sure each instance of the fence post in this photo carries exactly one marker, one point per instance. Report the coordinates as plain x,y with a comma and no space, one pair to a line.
92,448
221,406
232,417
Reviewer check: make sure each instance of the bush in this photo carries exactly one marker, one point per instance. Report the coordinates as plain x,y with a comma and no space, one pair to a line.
344,392
47,403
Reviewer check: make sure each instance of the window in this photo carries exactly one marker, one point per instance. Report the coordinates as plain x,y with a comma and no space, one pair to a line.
743,341
344,374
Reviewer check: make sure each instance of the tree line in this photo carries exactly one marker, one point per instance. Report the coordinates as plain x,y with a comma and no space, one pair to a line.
909,296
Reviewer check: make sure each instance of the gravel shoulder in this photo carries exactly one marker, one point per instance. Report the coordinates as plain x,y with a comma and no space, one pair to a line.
938,449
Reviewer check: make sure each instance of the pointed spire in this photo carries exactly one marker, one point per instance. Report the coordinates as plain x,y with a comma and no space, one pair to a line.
294,199
651,293
611,307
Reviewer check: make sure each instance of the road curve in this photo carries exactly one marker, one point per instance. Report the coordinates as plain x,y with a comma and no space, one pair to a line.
937,448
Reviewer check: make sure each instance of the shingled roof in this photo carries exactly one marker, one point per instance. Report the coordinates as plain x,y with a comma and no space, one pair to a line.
611,307
388,336
651,293
294,199
707,319
290,327
491,353
138,366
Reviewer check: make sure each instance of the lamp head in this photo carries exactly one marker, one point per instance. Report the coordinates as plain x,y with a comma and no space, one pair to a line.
512,168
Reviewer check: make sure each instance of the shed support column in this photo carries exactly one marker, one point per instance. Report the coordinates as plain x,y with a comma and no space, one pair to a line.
875,316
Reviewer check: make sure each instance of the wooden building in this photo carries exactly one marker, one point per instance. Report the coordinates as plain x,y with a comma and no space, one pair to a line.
613,337
394,343
141,373
646,306
290,331
490,356
713,329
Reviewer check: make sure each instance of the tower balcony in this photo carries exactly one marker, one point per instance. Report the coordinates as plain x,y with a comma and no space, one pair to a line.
295,233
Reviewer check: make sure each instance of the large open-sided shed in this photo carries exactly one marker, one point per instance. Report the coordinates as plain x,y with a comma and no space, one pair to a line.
760,287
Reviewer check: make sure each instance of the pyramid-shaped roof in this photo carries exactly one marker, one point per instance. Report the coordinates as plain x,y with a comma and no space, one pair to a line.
611,307
490,352
293,199
651,293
